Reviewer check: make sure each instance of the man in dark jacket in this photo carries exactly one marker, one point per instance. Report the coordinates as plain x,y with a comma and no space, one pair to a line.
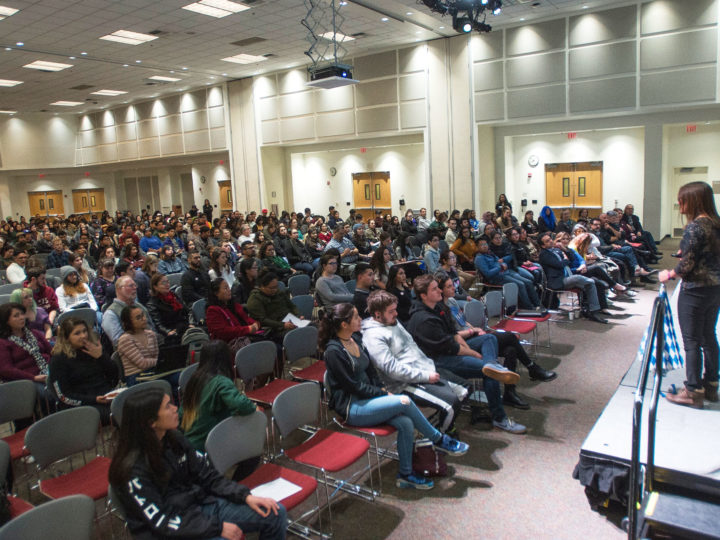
195,281
432,328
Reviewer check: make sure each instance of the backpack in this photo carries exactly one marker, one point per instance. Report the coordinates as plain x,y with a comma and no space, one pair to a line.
194,338
426,461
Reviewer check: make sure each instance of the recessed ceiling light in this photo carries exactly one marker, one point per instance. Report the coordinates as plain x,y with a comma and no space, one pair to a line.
224,74
8,83
384,19
67,103
337,35
522,18
83,53
126,65
163,78
442,28
343,3
108,93
71,57
408,13
138,61
8,48
43,65
6,12
216,8
244,59
185,68
7,112
19,44
128,37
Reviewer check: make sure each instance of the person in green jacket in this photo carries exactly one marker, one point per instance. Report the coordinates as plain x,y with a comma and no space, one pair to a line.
211,396
269,306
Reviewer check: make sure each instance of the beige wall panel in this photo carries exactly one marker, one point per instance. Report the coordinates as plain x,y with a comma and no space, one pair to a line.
197,141
193,101
126,132
297,104
87,122
603,26
270,132
413,59
486,46
171,144
292,81
375,65
380,119
536,69
543,101
535,37
194,121
144,110
167,106
335,99
488,76
412,87
376,92
265,86
678,86
602,95
214,96
147,129
90,155
679,49
413,114
268,108
127,150
107,118
294,129
168,125
106,135
489,106
218,140
89,138
335,123
149,147
600,60
217,117
126,114
665,15
107,152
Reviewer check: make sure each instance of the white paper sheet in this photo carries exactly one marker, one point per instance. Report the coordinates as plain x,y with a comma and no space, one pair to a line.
300,323
277,490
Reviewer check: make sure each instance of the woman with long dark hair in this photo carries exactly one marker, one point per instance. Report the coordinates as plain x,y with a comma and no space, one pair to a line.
699,300
275,263
465,249
170,317
246,273
381,262
138,345
397,286
169,489
358,395
226,319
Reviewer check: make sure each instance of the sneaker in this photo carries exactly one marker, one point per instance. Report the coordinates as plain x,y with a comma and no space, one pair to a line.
510,425
451,446
500,373
412,481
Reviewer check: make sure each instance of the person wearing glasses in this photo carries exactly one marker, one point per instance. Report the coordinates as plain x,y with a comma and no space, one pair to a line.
330,287
16,270
126,295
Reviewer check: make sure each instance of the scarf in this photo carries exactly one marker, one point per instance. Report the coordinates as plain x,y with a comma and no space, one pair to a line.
171,300
30,345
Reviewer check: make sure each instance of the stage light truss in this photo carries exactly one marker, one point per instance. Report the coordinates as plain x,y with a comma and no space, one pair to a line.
467,15
324,22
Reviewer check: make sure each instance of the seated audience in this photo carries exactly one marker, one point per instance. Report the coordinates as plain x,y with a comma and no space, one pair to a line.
104,281
43,294
195,281
73,293
37,318
15,271
126,295
137,346
329,287
170,263
274,263
397,285
226,319
381,262
167,313
220,267
465,249
246,273
364,280
269,306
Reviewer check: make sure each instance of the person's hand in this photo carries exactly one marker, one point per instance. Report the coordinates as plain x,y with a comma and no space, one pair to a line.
172,333
616,246
289,326
254,327
262,505
40,378
479,332
666,275
434,377
404,400
93,349
230,531
102,400
259,408
582,269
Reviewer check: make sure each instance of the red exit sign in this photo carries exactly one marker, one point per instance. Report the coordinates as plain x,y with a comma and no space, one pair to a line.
572,135
691,128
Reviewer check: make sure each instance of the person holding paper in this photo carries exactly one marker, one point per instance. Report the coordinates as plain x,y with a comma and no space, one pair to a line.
269,306
169,489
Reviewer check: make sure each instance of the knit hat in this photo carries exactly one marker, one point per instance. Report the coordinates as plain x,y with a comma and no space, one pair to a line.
65,271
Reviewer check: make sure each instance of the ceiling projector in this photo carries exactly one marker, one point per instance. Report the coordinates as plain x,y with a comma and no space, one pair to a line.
332,76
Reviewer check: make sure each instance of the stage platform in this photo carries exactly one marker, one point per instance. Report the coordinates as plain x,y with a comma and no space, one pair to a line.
687,448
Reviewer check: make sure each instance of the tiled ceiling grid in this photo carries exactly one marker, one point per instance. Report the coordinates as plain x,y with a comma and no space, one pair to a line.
55,30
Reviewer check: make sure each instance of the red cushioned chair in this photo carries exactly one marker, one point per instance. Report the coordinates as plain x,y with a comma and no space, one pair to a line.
511,303
300,345
324,451
17,400
259,359
238,438
61,435
494,307
17,505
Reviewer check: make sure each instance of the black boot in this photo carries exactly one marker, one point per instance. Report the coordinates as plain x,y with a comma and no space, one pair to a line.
539,374
512,399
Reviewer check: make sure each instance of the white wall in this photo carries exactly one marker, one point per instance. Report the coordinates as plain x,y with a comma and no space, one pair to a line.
34,141
213,172
620,150
313,185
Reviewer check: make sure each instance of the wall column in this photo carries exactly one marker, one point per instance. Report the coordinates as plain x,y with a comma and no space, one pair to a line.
247,190
652,205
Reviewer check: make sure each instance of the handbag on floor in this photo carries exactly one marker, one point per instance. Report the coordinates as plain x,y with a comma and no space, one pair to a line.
426,461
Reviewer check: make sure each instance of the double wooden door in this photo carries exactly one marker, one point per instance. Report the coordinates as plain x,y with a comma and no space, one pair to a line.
574,186
89,201
371,192
226,201
46,203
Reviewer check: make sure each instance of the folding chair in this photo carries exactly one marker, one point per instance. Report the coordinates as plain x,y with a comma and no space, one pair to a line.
116,508
4,299
238,438
299,284
199,308
259,359
115,357
494,306
54,272
551,296
175,279
185,375
475,314
10,287
300,345
351,285
88,315
61,435
17,401
306,304
116,406
510,297
69,518
324,451
17,505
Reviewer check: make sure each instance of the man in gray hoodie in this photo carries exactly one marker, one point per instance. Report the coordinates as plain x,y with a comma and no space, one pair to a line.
403,367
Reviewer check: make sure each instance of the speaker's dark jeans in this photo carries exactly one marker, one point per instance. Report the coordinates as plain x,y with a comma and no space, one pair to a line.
698,315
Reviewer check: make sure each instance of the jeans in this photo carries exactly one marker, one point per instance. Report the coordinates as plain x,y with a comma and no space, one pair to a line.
271,527
527,295
588,287
405,417
698,314
307,268
625,253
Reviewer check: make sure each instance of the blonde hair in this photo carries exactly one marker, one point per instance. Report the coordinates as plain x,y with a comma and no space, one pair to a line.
66,327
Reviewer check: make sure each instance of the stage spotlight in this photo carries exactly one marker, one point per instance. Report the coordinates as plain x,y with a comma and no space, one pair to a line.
462,24
497,7
482,27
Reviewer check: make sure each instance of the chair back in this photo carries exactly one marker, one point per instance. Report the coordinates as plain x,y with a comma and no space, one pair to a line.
296,406
62,434
10,287
51,520
3,277
175,279
117,404
350,285
88,315
299,284
4,460
475,314
236,439
198,310
510,294
281,286
185,375
300,343
305,303
17,400
255,359
115,503
115,357
4,299
55,272
494,304
178,293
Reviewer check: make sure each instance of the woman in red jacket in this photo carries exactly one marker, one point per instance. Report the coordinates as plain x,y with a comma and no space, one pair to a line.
226,319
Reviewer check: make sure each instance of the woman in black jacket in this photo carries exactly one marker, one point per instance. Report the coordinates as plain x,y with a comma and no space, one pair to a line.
170,317
357,394
168,489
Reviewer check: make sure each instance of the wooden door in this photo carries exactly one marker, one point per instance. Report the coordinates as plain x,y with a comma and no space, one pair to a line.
371,192
97,200
46,203
81,201
55,204
38,203
226,202
574,186
177,208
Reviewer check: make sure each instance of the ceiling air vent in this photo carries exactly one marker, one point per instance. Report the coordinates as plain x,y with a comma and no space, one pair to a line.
358,35
270,55
249,41
82,87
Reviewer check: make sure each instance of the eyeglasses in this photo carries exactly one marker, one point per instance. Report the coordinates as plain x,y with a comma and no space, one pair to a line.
332,263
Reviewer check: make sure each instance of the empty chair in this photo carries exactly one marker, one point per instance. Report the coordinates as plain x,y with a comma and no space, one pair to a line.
50,520
299,284
239,438
61,435
255,360
306,305
17,506
300,345
10,287
198,310
88,315
117,404
510,296
17,401
495,308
